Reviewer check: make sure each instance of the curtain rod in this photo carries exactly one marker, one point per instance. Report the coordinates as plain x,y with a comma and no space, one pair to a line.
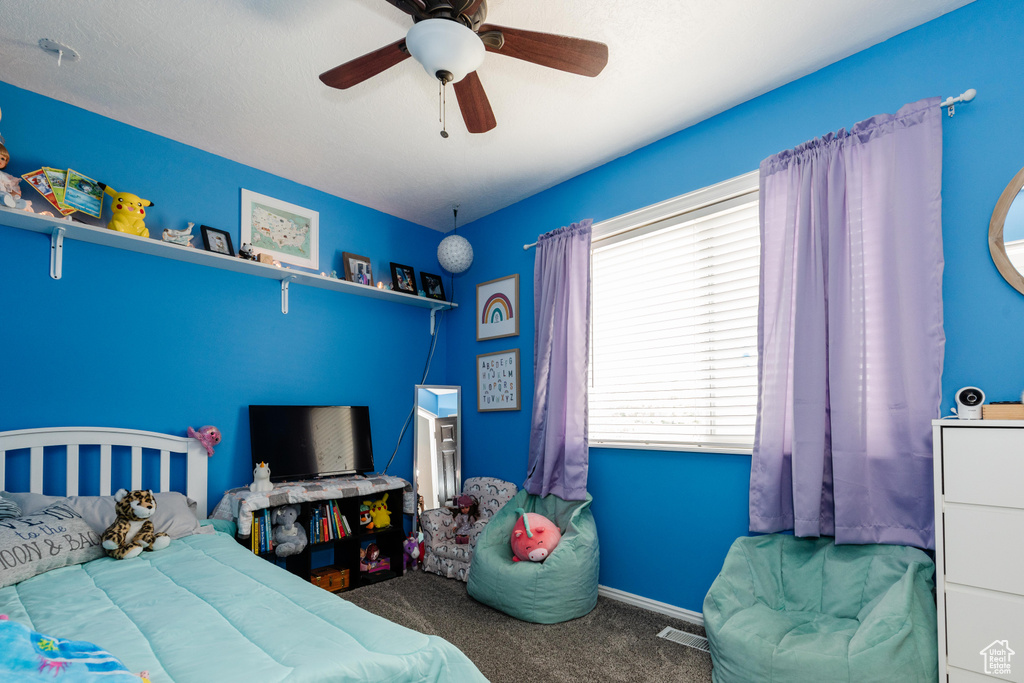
965,96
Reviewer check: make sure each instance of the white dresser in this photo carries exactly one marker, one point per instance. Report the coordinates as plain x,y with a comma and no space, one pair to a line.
979,549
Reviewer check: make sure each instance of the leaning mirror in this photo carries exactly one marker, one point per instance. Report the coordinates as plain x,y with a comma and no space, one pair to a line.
437,444
1006,233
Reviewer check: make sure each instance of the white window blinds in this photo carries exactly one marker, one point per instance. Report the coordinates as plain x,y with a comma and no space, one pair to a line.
674,326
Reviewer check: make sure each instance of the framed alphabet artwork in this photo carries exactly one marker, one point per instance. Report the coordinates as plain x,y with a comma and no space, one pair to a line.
497,381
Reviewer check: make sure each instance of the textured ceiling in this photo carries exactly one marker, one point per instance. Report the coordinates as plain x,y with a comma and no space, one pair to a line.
238,78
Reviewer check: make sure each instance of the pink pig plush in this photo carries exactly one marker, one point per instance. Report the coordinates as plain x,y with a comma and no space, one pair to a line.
209,436
534,537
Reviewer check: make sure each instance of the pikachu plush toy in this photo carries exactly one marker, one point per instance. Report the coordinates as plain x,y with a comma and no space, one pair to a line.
129,212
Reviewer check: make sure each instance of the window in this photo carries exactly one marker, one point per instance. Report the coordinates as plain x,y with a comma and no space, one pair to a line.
674,323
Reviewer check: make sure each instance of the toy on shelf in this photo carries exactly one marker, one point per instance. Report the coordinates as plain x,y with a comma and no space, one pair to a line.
371,561
246,252
365,518
534,537
468,511
129,212
132,530
182,237
380,513
413,547
10,186
209,436
289,536
261,478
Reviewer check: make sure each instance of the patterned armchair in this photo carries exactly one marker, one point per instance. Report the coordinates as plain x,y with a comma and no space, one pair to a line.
441,554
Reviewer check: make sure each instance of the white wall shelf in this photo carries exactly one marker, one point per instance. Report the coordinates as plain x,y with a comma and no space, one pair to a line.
59,230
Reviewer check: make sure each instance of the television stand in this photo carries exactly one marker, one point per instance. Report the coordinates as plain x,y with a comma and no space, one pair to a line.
347,493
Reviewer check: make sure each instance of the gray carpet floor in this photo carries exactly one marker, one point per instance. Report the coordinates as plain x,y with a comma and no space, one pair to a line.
616,642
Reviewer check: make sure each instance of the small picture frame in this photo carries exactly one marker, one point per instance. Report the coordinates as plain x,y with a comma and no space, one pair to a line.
497,381
403,278
497,308
217,241
357,268
433,286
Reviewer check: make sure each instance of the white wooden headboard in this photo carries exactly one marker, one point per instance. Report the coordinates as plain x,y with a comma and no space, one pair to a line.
73,437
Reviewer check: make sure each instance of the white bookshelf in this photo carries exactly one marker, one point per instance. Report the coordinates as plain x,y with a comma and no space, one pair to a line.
58,230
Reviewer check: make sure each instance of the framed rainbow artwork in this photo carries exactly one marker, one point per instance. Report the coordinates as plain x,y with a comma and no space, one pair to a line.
497,381
497,308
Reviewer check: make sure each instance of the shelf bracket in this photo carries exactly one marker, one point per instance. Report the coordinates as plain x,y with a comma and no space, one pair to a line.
284,293
56,252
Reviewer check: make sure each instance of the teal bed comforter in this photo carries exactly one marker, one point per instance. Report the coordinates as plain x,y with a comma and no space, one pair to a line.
207,609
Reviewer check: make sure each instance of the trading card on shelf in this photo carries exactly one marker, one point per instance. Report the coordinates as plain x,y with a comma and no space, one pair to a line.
83,193
56,177
37,179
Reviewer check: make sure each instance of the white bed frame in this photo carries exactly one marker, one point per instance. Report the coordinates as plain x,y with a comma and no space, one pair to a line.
106,438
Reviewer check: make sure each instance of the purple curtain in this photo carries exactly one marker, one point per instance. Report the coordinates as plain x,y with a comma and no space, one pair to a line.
850,336
559,452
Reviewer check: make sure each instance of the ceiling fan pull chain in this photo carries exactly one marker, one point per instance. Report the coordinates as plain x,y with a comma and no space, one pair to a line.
443,104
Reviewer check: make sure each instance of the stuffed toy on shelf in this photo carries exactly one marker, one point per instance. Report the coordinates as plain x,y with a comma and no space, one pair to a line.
380,513
132,530
289,536
261,478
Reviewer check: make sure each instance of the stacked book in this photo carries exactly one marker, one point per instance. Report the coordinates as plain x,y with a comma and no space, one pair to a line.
262,536
326,523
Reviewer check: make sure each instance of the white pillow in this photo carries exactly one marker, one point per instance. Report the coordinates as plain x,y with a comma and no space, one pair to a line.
56,536
175,514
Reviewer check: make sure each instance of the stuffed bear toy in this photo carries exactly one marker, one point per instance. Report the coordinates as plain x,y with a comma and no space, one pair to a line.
289,537
132,531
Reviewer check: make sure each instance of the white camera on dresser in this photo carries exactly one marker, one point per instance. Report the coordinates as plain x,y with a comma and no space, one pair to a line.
979,549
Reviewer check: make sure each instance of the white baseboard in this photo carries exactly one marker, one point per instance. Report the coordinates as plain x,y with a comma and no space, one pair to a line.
652,605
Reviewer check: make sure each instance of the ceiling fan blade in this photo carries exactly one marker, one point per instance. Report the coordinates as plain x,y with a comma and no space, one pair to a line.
359,69
575,55
476,109
471,8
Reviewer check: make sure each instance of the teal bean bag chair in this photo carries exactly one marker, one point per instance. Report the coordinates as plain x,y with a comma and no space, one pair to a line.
799,609
562,587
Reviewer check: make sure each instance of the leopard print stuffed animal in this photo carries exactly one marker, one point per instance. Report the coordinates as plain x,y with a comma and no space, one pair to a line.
132,531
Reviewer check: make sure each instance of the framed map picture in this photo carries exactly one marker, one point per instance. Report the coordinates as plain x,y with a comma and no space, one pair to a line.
497,308
497,381
289,233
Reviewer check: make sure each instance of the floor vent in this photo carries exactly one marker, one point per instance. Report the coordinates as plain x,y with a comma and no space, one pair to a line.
684,638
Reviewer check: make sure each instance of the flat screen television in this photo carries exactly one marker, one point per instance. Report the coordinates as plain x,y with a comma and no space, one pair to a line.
305,442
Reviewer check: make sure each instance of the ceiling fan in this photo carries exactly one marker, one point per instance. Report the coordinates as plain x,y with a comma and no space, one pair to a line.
449,38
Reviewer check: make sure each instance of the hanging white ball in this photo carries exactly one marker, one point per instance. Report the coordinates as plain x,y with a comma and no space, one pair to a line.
455,254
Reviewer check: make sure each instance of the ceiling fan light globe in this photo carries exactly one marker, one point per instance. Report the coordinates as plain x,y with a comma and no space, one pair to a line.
455,254
445,45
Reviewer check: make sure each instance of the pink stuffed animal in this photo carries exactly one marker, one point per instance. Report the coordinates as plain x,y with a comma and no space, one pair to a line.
534,537
209,436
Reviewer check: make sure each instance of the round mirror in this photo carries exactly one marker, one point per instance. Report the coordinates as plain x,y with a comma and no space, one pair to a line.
1006,233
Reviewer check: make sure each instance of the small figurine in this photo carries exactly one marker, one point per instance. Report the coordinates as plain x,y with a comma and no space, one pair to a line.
289,536
246,252
129,212
364,515
261,479
534,537
10,186
413,547
182,237
209,436
468,513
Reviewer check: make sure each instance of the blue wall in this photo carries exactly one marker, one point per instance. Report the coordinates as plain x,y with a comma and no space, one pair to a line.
671,552
130,340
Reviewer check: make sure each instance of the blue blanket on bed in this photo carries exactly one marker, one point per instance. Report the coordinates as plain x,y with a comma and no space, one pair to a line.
207,609
26,655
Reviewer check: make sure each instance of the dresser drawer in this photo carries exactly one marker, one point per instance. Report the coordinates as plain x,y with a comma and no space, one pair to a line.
984,466
983,547
976,619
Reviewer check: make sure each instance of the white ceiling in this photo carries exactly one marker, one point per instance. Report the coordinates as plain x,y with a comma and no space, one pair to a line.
238,78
